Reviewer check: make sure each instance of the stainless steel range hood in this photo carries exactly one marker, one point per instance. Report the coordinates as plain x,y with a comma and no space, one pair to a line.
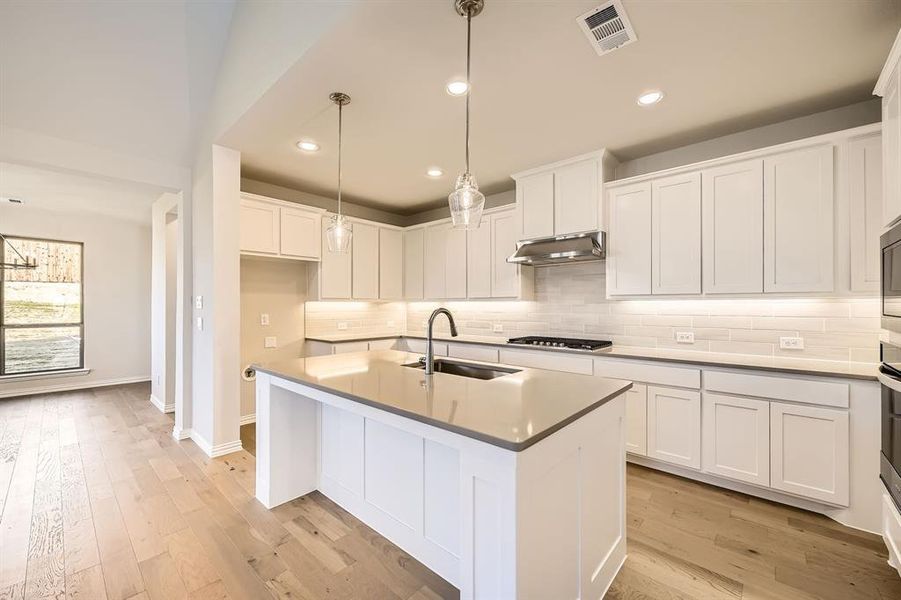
560,249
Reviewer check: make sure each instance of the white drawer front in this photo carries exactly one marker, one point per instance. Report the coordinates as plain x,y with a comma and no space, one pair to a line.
823,393
647,373
471,352
552,361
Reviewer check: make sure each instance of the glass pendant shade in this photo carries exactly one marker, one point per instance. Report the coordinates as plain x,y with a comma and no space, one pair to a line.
466,203
338,234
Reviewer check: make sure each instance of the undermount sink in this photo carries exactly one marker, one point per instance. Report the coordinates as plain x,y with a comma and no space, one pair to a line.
451,367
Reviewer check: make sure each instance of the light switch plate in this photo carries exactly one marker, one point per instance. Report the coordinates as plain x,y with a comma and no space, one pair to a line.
342,326
791,343
497,328
264,318
685,337
199,323
270,342
198,302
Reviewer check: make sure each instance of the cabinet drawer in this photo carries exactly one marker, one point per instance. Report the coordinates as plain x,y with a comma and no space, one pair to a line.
418,346
648,373
823,393
480,353
551,361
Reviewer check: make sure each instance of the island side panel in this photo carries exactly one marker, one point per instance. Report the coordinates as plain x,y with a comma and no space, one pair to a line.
287,443
571,518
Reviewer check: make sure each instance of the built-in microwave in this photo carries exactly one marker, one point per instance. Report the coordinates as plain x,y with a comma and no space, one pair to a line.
891,279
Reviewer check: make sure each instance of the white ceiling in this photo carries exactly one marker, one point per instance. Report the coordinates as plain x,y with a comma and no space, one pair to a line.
542,94
134,77
69,192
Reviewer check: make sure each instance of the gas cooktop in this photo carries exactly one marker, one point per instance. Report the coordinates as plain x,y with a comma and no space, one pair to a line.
560,342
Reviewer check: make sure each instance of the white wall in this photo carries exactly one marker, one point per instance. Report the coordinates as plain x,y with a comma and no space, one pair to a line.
116,293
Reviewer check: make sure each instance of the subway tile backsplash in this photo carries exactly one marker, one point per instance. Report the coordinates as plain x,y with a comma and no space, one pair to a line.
569,300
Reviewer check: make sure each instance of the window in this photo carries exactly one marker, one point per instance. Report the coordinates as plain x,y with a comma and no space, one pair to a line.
41,310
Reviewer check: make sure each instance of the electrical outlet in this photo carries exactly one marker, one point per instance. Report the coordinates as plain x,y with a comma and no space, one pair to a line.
685,337
198,302
791,343
342,326
497,328
264,319
270,342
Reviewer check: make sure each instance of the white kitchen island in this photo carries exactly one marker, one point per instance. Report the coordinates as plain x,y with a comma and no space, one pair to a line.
508,488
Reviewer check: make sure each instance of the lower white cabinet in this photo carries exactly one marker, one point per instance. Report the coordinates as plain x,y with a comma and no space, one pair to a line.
736,438
809,452
674,426
637,419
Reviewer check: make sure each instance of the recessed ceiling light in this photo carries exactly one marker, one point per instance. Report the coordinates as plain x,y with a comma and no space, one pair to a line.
457,87
308,146
434,172
650,98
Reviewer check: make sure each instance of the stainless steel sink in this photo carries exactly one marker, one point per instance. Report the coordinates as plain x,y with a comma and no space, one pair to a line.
452,367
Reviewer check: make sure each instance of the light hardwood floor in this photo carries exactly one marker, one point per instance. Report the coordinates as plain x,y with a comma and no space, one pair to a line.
98,501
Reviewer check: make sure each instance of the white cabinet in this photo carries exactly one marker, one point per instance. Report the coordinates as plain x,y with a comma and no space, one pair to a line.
391,264
576,193
674,426
889,87
507,280
732,223
798,220
736,438
299,233
809,452
259,227
434,263
637,419
479,260
333,276
455,263
865,200
414,255
676,234
365,253
629,241
535,196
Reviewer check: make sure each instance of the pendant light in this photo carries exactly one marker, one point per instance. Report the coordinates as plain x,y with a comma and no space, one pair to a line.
466,201
339,230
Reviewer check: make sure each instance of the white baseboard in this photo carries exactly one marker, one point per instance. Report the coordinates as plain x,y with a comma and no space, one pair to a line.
218,449
181,434
163,408
248,419
71,386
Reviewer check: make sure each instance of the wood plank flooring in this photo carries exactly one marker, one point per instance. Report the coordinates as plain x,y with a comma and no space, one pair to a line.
98,501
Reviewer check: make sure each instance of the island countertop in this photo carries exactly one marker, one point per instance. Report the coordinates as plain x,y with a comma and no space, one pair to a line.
513,411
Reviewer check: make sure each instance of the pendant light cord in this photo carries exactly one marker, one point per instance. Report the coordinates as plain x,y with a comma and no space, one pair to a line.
340,107
468,81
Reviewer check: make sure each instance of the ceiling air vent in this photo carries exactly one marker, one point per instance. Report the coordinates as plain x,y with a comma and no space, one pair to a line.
12,200
607,27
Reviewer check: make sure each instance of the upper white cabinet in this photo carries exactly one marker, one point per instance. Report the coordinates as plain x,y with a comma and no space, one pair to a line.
629,240
561,198
507,280
478,267
365,272
332,280
277,228
437,256
676,234
455,263
889,87
865,189
732,228
391,264
798,220
414,255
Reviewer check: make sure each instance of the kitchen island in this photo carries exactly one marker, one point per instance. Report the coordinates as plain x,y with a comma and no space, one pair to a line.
511,487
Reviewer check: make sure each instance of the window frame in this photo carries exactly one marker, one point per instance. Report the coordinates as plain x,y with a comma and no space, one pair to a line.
6,327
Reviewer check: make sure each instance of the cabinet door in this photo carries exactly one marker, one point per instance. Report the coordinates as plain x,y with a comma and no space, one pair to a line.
455,263
535,196
478,260
865,179
504,276
736,438
676,234
335,269
391,264
365,261
798,221
891,149
637,419
576,197
629,251
809,452
732,201
674,426
435,257
259,227
300,233
414,252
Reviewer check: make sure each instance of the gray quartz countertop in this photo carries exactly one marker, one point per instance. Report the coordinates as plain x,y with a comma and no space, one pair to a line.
513,411
778,364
